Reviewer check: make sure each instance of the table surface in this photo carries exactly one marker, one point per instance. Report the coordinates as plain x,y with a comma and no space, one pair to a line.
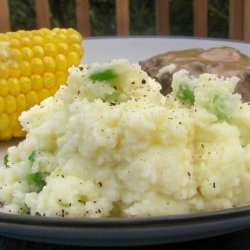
234,241
94,52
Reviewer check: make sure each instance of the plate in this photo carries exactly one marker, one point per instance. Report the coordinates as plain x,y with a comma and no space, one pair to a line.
132,231
138,48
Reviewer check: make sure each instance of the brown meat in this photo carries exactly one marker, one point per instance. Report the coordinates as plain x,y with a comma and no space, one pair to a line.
222,61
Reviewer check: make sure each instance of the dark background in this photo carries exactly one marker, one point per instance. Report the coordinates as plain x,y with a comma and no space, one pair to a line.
142,16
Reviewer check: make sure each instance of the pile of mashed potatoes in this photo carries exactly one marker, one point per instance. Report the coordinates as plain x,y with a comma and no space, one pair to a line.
109,144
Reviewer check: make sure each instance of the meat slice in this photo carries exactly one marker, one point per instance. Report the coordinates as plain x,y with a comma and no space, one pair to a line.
222,61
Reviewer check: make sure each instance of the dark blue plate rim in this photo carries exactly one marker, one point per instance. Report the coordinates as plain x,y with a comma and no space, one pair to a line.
205,217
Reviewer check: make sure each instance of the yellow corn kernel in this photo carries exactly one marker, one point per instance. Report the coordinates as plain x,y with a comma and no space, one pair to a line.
13,120
49,64
15,86
27,53
75,38
61,62
37,82
61,77
21,33
37,65
11,35
25,68
63,48
50,49
16,55
49,80
18,131
4,87
73,59
38,40
21,103
25,84
31,99
15,43
38,51
15,70
10,104
26,41
4,121
77,48
42,94
15,127
53,90
61,37
5,134
4,71
1,104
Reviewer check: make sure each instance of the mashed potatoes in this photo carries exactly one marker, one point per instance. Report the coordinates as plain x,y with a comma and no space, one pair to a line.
109,144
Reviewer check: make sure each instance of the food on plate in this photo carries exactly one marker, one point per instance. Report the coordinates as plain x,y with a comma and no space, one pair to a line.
222,61
33,64
109,144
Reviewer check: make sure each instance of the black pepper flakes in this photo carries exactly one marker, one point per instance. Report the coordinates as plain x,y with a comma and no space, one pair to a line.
143,81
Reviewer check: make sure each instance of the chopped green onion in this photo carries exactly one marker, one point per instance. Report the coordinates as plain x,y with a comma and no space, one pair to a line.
6,160
32,156
103,75
217,106
114,97
36,180
186,93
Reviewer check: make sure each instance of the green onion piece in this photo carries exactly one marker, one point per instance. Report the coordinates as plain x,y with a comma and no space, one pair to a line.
6,160
32,156
103,75
114,97
217,107
36,180
186,94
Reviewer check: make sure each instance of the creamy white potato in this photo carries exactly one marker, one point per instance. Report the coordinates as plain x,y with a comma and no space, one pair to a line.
110,144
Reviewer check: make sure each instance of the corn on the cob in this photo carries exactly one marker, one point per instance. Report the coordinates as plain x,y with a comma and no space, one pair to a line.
33,64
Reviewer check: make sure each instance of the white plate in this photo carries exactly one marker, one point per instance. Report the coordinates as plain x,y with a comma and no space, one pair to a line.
140,48
139,231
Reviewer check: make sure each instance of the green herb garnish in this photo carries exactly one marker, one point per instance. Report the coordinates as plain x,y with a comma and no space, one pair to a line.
114,97
217,106
103,75
36,181
32,156
6,160
186,93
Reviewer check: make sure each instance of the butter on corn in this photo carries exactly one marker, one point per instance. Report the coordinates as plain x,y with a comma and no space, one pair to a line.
33,64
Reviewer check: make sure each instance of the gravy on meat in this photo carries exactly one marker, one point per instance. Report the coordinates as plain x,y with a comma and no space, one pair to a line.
222,61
